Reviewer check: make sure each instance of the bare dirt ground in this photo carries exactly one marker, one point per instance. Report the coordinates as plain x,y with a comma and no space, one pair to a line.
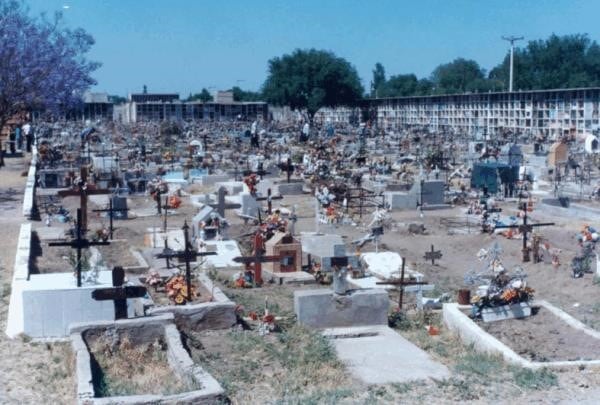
257,369
30,373
544,337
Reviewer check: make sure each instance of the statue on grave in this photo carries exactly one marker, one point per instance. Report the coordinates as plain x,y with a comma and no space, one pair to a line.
340,284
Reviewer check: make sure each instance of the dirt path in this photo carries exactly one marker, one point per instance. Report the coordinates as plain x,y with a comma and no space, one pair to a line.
29,373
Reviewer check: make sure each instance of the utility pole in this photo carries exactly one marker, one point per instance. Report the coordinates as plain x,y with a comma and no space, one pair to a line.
512,39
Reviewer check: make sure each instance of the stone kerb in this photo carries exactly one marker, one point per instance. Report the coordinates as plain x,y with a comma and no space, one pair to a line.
143,330
216,314
471,333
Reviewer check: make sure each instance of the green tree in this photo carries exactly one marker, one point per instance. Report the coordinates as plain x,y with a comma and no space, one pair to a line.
458,76
203,96
400,86
378,80
242,95
311,79
556,62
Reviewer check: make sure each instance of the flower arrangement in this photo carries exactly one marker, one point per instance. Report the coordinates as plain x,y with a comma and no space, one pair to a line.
177,290
101,234
154,279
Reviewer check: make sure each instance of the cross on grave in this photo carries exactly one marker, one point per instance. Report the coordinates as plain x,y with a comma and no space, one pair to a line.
258,258
364,196
433,255
119,293
260,171
525,229
405,285
269,200
83,190
288,168
221,205
188,254
79,243
110,211
166,207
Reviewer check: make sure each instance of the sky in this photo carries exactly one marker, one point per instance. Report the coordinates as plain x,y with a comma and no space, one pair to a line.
184,45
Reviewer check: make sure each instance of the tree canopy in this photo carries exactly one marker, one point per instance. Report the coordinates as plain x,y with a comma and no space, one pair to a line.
243,95
203,96
311,79
42,64
552,63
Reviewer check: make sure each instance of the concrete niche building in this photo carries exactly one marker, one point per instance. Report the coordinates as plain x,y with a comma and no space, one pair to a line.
552,113
168,107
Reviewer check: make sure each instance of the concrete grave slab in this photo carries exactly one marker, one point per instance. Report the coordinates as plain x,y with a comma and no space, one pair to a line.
379,355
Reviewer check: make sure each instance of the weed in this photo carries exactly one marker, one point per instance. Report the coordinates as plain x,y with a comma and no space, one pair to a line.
479,364
326,397
402,388
534,379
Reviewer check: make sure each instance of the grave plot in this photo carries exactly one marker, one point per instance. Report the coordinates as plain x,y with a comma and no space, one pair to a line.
138,361
544,337
549,338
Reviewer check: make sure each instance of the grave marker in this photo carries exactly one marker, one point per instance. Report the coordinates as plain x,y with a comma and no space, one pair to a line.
119,293
79,243
187,255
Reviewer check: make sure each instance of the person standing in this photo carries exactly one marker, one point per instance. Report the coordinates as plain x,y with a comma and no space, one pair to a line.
28,136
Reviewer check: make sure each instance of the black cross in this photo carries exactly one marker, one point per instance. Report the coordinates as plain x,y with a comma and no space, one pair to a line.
288,168
433,255
79,243
260,171
110,211
401,283
221,205
188,254
119,293
269,200
525,229
166,207
158,202
363,196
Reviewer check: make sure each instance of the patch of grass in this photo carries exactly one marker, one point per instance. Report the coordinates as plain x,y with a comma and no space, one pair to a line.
480,365
319,397
402,388
121,368
462,389
5,290
534,379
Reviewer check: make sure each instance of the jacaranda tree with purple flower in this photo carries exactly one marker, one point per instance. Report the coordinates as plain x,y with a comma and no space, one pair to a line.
42,63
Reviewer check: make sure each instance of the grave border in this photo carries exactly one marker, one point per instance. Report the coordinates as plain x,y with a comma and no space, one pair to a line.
470,333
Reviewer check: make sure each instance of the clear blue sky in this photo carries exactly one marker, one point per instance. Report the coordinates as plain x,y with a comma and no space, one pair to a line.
184,45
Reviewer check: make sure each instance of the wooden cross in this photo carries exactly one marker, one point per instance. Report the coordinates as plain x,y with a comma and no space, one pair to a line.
433,255
79,243
188,255
119,293
258,258
83,190
401,283
110,211
525,229
269,200
221,205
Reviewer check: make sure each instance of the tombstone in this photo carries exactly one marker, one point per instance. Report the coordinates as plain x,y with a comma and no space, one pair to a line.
120,206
